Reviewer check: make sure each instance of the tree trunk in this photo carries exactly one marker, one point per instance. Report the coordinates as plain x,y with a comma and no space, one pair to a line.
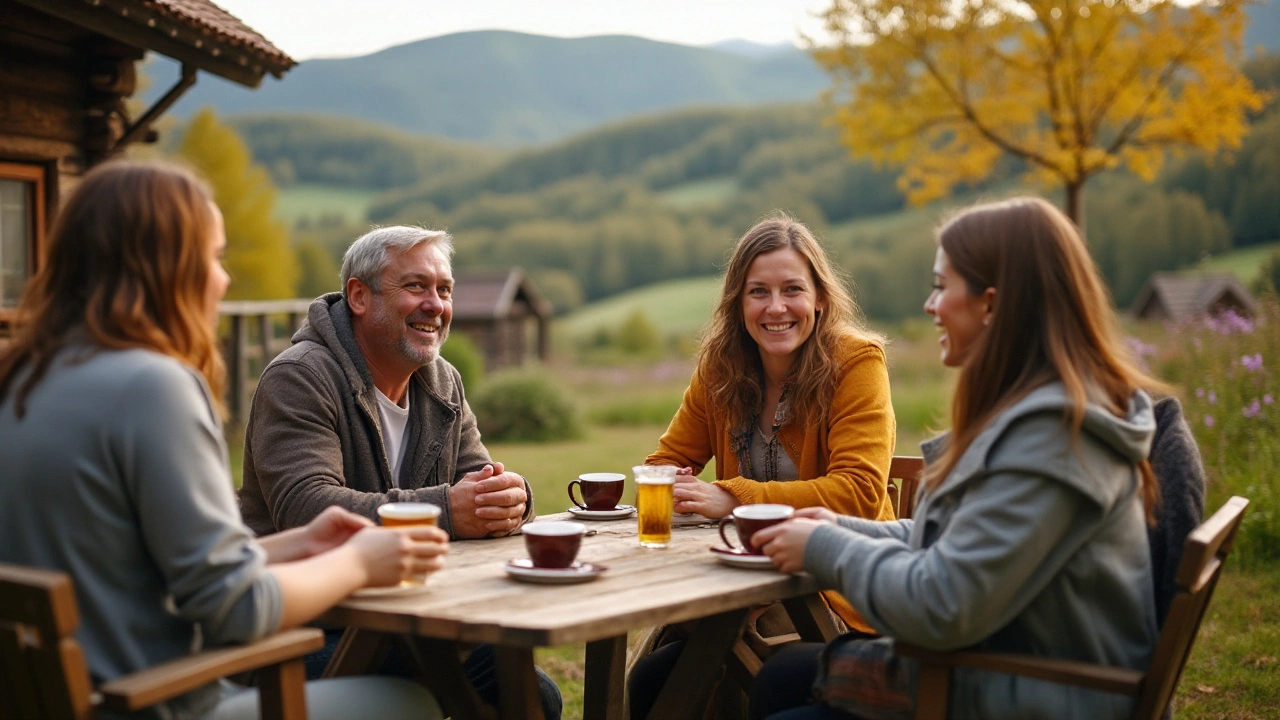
1075,204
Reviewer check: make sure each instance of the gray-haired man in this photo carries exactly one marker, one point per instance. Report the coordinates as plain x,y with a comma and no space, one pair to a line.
361,410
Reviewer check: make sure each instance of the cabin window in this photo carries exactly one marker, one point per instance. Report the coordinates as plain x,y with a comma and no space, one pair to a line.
22,198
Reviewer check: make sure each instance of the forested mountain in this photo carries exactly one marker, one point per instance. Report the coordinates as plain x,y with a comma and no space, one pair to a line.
511,88
301,148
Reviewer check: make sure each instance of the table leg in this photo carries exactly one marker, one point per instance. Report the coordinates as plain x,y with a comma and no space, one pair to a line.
359,652
693,679
517,684
437,665
811,618
605,669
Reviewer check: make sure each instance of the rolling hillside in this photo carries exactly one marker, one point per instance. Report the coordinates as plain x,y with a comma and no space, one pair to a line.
511,88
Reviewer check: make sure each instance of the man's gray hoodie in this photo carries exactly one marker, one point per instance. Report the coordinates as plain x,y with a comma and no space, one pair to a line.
1035,543
314,437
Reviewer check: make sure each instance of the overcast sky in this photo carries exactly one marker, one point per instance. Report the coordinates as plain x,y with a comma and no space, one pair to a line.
342,28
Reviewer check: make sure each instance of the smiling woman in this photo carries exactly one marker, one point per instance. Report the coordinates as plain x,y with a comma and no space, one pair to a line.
790,398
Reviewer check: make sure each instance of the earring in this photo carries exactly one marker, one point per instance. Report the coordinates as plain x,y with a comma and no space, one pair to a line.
986,321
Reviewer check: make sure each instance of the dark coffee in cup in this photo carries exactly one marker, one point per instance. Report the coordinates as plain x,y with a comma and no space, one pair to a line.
553,544
750,519
600,491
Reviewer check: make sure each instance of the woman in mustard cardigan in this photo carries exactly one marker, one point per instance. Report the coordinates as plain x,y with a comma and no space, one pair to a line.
790,396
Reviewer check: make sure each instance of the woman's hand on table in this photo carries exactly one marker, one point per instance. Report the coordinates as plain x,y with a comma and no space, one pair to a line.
784,543
390,555
331,528
694,496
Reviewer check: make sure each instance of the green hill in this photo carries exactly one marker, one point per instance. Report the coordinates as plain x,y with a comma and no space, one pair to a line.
512,88
677,307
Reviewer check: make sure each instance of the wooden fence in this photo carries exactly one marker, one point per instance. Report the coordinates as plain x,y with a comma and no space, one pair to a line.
255,331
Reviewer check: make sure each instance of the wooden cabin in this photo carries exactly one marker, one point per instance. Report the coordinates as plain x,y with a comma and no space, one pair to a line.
1178,297
66,69
503,314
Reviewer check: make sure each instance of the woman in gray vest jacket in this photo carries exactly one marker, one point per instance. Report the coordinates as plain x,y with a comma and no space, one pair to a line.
1030,534
115,470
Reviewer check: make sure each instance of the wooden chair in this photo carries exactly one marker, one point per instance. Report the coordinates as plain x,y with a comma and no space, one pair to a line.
1202,560
43,672
908,470
751,650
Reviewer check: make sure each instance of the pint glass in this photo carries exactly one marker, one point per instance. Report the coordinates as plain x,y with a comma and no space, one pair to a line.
400,514
654,499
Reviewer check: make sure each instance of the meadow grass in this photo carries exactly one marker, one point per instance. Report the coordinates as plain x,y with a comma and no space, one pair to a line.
1245,263
678,307
305,200
700,193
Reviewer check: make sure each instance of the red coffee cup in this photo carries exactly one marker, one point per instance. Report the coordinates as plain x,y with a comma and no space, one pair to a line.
553,544
750,519
600,491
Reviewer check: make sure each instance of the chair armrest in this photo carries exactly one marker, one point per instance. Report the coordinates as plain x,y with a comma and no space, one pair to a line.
1067,672
168,680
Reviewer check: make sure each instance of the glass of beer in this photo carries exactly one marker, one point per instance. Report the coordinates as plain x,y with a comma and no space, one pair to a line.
656,503
401,514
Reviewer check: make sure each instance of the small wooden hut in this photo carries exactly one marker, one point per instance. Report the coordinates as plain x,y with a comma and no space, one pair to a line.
503,314
66,69
1176,297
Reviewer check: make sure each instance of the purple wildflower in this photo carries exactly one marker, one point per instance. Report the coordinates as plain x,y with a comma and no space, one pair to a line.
1229,322
1208,421
1267,399
1199,392
1252,409
1252,363
1213,398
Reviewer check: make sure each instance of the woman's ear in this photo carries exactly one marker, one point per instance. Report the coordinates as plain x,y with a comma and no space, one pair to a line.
989,300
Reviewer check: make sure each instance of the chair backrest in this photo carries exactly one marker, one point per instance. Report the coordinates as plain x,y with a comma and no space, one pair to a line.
42,668
909,471
1202,560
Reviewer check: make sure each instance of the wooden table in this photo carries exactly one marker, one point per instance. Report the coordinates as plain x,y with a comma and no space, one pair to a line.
473,601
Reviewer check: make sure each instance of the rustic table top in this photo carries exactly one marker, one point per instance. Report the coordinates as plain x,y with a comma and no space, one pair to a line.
473,600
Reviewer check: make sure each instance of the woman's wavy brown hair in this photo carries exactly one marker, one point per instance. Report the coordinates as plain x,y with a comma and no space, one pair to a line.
126,266
729,358
1052,320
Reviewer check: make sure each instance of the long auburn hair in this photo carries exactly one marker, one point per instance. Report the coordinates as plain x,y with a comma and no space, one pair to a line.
729,358
126,267
1052,320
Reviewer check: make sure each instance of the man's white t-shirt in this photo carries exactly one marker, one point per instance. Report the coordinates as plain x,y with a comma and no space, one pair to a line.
394,420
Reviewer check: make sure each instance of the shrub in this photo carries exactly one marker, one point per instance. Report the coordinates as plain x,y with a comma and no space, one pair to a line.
638,336
465,356
525,406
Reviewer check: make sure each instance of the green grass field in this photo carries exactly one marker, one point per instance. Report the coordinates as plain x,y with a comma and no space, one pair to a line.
700,193
678,307
1244,263
295,202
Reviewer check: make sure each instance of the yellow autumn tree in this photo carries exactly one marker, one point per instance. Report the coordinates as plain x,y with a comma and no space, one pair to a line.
261,262
945,88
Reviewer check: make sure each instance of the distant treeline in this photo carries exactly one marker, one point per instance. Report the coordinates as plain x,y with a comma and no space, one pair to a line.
661,197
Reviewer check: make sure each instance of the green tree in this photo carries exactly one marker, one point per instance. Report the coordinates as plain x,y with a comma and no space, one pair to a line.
261,263
1070,87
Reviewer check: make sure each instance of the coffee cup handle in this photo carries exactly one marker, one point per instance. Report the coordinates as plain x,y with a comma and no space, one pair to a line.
574,500
727,520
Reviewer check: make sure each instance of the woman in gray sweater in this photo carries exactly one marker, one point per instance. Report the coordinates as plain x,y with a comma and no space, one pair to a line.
1030,534
115,470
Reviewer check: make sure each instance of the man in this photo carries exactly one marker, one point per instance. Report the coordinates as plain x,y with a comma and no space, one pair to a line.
361,410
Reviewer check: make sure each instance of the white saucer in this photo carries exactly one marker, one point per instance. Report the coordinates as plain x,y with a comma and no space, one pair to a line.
389,591
522,569
620,511
742,559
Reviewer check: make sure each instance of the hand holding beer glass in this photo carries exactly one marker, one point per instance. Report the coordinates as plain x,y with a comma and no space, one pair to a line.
654,485
402,514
